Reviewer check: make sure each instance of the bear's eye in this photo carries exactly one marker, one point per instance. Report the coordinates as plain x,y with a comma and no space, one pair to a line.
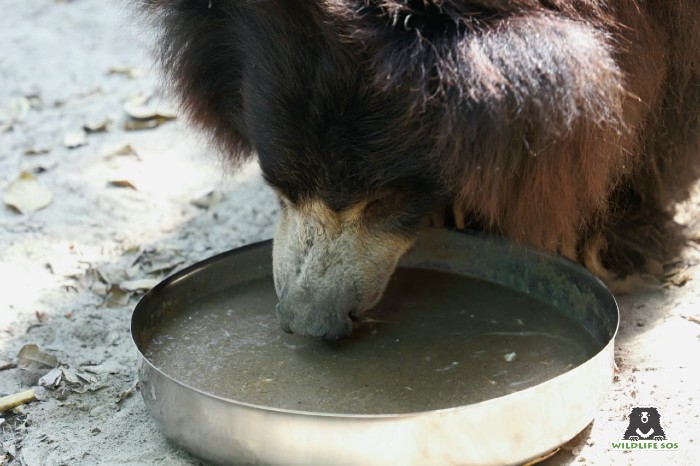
384,206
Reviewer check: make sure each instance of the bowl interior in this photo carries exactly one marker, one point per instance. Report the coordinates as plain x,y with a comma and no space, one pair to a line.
464,319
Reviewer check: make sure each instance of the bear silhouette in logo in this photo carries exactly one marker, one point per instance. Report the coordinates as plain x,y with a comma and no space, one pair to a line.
645,424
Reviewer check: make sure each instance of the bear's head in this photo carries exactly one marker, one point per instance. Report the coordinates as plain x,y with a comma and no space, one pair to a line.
370,116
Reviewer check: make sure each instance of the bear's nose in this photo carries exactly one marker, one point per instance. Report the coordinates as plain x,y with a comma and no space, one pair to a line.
313,322
645,417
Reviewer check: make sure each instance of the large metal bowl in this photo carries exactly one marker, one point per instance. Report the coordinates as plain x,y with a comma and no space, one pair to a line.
510,429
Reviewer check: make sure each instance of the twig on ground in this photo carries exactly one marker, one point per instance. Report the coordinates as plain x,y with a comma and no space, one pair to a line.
16,399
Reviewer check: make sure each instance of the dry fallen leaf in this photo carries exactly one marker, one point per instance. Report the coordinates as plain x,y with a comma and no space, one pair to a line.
30,357
123,184
26,195
116,297
135,125
107,367
70,376
124,149
87,378
74,139
145,115
112,273
138,108
98,126
52,379
156,259
36,151
124,70
127,393
163,267
140,284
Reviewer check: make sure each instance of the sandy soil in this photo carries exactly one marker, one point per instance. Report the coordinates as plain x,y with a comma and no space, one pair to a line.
121,218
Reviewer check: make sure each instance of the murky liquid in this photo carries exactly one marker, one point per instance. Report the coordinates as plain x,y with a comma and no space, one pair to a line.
439,341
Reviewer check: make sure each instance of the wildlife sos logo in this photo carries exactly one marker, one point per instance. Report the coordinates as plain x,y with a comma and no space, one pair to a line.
644,432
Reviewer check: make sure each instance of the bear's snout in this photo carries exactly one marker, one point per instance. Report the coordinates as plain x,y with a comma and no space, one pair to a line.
328,266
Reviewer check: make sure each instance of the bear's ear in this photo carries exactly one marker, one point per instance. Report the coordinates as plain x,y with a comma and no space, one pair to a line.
195,46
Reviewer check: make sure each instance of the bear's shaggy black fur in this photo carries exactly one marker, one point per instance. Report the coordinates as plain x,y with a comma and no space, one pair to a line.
644,424
571,125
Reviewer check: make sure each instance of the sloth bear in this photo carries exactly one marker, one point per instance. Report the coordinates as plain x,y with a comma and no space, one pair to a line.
645,424
570,125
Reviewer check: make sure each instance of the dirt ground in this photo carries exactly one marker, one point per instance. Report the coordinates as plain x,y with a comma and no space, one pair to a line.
109,211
